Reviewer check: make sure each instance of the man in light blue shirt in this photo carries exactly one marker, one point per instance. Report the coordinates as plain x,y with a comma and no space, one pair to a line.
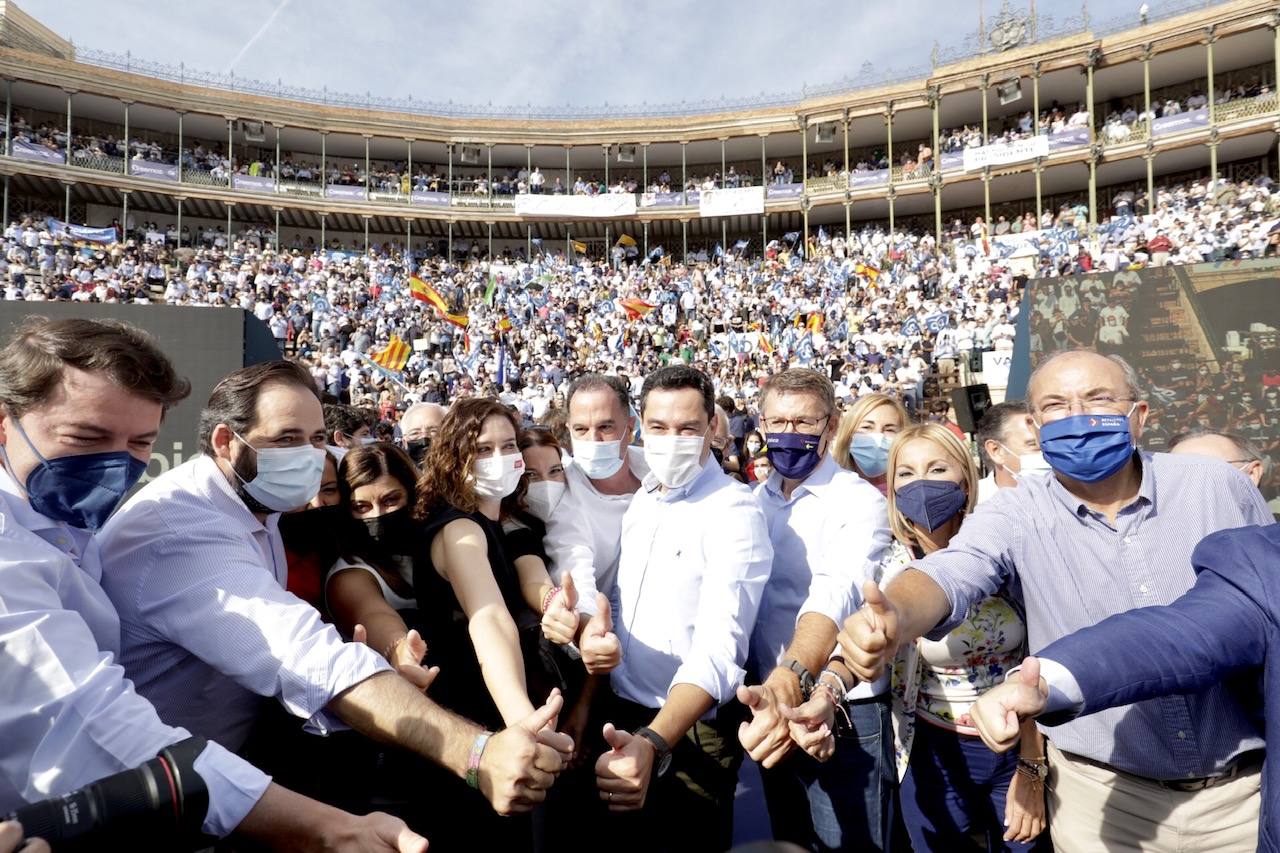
1112,530
695,559
829,529
195,566
80,407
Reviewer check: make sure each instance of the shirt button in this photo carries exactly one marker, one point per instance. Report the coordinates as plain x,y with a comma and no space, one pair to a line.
1128,540
1143,589
1182,735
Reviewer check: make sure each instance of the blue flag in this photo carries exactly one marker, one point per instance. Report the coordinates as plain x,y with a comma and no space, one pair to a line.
911,326
740,245
935,322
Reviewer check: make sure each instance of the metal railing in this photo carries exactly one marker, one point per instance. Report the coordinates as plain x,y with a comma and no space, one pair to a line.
98,162
1243,108
1037,30
826,184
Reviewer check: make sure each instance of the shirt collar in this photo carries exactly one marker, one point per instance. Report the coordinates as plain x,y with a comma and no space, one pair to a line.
709,473
1146,489
817,481
23,512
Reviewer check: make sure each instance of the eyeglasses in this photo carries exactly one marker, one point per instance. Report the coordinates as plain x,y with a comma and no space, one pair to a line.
795,424
1095,404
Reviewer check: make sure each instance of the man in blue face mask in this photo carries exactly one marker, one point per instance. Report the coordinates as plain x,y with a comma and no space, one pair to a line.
195,566
829,528
1113,529
81,403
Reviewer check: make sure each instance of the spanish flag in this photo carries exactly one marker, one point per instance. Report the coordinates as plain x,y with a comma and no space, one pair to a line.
394,357
637,308
504,325
459,320
766,346
420,290
867,270
580,248
814,323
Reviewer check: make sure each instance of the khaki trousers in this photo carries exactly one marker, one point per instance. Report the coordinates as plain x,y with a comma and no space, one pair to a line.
1093,810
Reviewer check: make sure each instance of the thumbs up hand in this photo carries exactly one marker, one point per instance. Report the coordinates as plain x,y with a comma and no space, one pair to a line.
998,713
601,650
622,773
560,621
869,638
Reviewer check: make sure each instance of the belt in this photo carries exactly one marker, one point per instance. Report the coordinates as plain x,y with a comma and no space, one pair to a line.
878,699
1242,764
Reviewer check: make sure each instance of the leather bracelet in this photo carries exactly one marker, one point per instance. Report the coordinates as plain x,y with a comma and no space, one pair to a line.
549,596
473,760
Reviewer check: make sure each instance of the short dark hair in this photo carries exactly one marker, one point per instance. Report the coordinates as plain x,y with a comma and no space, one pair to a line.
601,381
994,420
339,417
234,400
678,376
33,360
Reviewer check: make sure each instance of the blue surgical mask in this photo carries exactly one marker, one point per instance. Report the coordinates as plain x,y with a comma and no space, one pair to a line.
793,455
929,504
1088,448
871,451
287,477
81,490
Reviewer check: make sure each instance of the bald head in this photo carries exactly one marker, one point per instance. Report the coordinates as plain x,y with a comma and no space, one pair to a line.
1232,449
1075,382
422,420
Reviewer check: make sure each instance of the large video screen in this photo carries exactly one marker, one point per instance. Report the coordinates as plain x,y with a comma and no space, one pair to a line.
1203,338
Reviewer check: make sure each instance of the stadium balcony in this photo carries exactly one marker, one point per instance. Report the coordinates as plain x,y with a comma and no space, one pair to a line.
1039,115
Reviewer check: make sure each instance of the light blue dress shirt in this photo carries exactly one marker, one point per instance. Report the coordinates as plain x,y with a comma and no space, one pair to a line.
694,564
828,539
207,626
68,715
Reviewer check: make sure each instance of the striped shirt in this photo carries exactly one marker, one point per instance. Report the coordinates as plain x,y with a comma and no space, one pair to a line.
207,628
1073,568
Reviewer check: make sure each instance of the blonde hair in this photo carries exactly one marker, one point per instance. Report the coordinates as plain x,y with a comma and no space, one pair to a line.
853,418
903,530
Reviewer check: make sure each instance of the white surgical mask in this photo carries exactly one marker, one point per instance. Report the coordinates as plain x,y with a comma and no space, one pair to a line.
1033,464
674,459
287,477
543,497
599,460
753,447
497,476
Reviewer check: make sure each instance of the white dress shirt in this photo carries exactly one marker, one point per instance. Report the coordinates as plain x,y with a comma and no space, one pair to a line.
207,626
694,565
68,715
828,540
584,532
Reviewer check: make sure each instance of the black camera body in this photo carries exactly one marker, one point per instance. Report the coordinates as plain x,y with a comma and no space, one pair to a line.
160,805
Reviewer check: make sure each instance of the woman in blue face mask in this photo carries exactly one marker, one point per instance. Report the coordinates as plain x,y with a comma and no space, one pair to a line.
866,431
954,788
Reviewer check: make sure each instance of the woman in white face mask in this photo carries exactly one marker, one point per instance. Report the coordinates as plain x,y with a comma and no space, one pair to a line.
469,591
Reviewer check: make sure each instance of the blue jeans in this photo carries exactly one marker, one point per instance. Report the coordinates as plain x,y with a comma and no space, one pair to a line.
846,803
954,792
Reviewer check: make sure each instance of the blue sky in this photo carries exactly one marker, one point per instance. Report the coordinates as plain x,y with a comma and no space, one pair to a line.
548,52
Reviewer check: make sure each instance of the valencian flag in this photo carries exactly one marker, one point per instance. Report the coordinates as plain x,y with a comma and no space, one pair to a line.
766,345
637,308
394,357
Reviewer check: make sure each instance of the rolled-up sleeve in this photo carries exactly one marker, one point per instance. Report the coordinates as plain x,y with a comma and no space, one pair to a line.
231,613
569,547
978,561
738,561
68,715
849,557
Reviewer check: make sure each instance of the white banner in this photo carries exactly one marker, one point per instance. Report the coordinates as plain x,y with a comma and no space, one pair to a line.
581,206
731,202
995,368
1003,153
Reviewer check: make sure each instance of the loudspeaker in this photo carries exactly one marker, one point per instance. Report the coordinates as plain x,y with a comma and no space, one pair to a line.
470,154
626,153
1009,91
826,132
253,131
971,403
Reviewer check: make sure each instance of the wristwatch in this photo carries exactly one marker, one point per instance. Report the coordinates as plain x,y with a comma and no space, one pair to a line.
806,677
1037,771
662,751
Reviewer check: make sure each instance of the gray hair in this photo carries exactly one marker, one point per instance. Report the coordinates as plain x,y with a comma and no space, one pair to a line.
1133,385
1243,445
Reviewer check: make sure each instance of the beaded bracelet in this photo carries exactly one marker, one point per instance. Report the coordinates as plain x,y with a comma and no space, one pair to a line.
473,761
549,597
